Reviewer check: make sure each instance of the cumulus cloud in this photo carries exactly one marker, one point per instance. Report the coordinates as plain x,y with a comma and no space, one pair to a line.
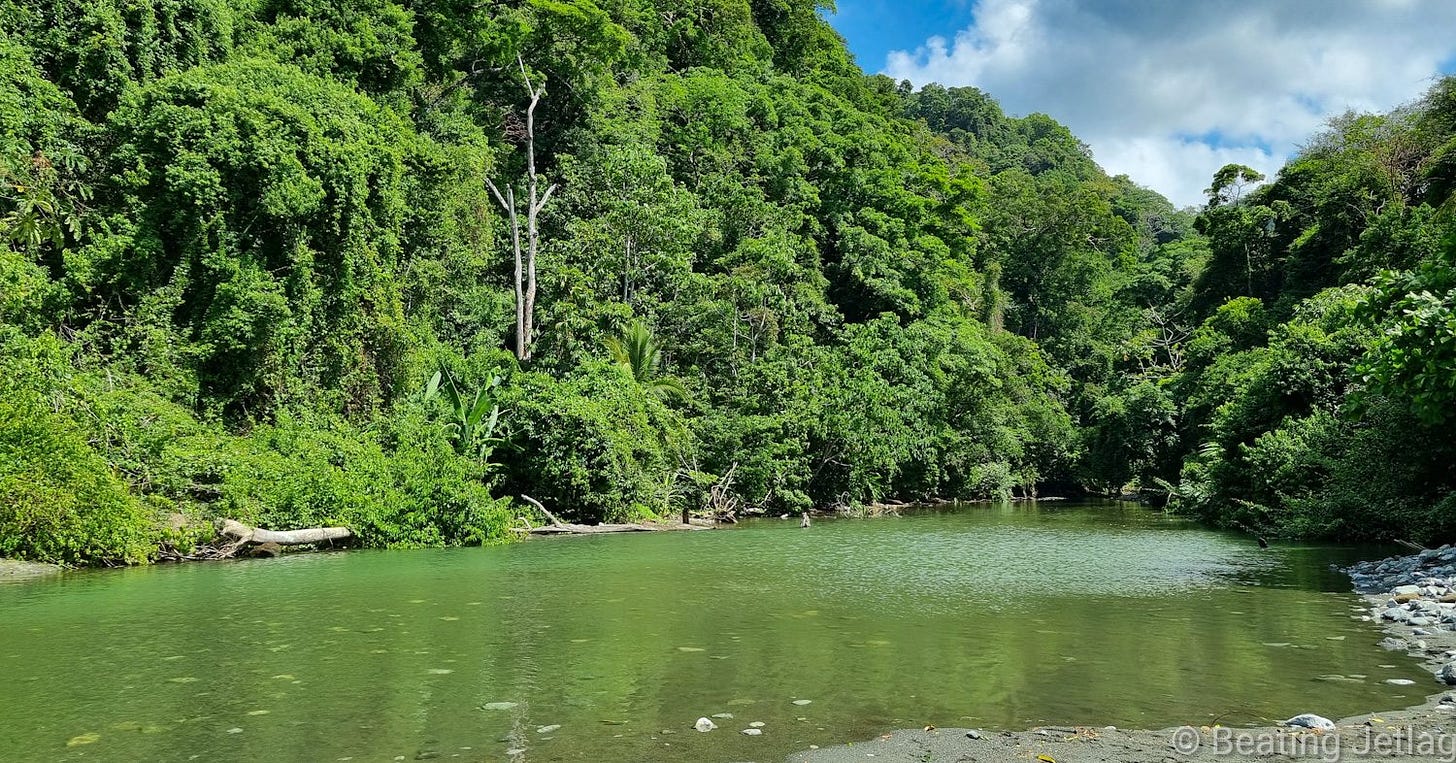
1167,92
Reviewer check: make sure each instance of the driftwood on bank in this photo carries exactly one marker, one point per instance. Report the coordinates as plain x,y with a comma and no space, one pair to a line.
245,534
557,527
237,539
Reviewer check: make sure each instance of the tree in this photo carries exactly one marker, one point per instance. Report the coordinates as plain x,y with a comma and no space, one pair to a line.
636,350
1414,359
1229,184
535,202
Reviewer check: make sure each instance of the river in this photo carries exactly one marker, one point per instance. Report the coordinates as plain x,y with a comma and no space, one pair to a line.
1003,616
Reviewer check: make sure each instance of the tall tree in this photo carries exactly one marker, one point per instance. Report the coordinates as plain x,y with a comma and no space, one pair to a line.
525,283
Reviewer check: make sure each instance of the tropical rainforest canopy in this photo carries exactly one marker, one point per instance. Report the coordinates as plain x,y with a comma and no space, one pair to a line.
258,260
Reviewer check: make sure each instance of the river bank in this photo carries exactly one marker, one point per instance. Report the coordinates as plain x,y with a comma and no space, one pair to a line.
1413,600
11,569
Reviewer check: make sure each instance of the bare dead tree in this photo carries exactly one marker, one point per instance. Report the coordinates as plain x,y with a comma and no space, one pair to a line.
525,273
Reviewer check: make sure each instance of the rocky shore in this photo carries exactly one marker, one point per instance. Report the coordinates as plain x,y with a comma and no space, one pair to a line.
1412,598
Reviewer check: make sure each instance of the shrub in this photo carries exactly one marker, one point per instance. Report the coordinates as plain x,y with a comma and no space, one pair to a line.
60,501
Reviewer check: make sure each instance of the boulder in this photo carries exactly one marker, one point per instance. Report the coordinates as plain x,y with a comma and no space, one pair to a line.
1310,721
267,551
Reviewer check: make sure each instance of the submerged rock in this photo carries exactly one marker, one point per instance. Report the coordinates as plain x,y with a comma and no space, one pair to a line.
705,725
751,732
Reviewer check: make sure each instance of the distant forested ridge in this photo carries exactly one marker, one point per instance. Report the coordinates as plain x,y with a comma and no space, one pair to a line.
258,260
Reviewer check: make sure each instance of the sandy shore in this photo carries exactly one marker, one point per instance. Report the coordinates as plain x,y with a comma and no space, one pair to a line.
1425,733
13,570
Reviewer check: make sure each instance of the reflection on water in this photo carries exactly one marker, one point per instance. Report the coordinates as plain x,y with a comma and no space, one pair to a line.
1005,616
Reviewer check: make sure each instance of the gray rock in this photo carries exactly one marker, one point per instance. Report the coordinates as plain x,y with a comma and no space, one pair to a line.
1406,590
548,729
705,725
1447,674
751,732
1393,644
1400,682
973,734
1310,721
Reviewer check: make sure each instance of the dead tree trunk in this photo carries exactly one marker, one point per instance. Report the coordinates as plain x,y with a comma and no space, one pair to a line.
245,534
525,273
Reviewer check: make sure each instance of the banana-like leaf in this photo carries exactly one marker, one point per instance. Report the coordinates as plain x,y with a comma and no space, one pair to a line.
477,412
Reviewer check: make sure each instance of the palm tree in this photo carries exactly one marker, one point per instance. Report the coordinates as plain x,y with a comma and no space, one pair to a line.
637,351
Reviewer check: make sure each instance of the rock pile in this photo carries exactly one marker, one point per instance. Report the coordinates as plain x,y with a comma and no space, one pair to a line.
1417,592
1386,574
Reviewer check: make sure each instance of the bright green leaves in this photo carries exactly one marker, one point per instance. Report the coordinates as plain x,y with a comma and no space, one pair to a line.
1414,357
637,351
96,50
1230,184
474,416
60,501
276,203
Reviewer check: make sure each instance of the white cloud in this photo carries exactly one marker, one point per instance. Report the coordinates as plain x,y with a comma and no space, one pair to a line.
1167,92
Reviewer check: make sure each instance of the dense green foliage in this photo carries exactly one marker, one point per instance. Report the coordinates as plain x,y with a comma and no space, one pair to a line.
251,268
1319,377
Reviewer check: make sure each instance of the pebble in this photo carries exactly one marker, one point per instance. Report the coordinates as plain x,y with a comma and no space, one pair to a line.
802,701
1400,682
751,732
973,734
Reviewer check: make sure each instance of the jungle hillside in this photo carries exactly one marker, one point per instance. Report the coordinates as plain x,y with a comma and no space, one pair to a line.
390,264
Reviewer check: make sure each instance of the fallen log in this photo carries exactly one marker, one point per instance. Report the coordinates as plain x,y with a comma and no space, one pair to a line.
542,509
242,533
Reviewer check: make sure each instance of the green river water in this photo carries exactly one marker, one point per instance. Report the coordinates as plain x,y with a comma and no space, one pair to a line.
986,616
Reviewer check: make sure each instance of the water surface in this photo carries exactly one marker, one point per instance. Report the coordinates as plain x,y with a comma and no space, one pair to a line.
998,617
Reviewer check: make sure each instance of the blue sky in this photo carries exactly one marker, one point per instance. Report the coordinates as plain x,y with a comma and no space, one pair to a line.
873,28
1167,91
